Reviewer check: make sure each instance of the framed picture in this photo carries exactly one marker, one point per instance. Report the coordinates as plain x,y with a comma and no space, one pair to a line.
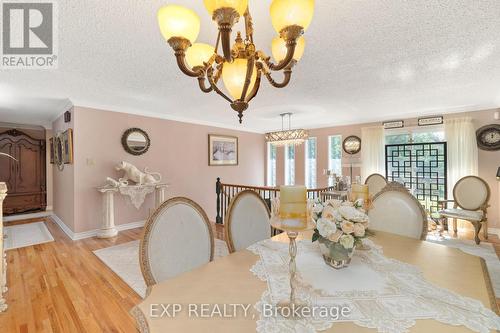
426,121
222,150
394,124
51,147
68,146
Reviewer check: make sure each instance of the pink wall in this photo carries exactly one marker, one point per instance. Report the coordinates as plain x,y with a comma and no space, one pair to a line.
63,182
178,151
488,161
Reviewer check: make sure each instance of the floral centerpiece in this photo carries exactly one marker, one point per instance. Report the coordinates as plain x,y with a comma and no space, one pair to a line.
340,227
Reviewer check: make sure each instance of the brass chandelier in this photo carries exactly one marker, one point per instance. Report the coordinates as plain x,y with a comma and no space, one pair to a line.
287,136
242,65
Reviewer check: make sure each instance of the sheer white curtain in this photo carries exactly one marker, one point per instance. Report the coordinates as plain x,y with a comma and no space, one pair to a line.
460,135
372,151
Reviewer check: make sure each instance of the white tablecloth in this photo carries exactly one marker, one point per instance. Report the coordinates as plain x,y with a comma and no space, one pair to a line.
382,293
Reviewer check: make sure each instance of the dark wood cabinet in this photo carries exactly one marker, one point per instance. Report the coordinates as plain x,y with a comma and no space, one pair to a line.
26,178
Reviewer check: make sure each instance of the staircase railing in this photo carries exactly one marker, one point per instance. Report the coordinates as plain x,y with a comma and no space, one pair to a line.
225,192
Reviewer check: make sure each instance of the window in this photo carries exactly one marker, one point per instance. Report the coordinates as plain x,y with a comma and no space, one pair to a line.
414,135
271,165
289,165
334,156
310,160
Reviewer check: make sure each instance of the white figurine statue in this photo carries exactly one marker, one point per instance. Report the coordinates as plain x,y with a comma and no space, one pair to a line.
132,173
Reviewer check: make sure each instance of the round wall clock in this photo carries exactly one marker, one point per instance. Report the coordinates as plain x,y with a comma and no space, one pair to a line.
488,137
352,145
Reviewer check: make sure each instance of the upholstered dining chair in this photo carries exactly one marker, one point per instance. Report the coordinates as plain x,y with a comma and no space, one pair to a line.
247,221
376,182
396,211
471,195
177,238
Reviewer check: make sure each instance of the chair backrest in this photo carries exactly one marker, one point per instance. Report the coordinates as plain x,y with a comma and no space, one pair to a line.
247,221
396,211
177,238
471,193
376,182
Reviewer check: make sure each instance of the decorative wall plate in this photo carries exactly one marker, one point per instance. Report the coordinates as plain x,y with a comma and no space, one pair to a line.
488,137
352,145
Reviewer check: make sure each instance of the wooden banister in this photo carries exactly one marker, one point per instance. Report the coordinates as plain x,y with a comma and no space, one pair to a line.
225,193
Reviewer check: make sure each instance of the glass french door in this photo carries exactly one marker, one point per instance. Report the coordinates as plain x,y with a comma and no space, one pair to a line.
420,167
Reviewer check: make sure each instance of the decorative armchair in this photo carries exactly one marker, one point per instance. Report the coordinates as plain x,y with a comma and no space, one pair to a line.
471,195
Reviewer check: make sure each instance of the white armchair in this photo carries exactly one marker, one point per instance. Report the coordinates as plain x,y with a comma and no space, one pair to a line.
471,195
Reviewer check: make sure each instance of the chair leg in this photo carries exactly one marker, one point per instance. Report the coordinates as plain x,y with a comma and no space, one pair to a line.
455,228
485,229
477,228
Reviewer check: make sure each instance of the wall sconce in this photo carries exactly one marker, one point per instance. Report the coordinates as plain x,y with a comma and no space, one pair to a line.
498,173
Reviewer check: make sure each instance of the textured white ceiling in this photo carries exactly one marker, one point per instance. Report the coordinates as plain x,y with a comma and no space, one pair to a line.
365,60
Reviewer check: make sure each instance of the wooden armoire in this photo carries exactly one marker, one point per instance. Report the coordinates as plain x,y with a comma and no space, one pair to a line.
26,178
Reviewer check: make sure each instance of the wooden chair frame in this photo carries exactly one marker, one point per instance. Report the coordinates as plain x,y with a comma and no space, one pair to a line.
483,207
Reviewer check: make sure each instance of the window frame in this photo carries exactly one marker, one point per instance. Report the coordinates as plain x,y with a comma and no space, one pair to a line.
306,163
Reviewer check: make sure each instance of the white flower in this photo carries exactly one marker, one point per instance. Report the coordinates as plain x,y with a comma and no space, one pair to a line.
335,236
325,227
359,230
317,208
347,241
328,213
347,227
347,204
352,214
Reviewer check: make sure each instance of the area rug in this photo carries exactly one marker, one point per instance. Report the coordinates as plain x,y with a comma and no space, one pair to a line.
28,234
483,250
123,259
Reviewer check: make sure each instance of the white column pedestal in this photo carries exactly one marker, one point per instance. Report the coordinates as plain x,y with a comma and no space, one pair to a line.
108,228
160,194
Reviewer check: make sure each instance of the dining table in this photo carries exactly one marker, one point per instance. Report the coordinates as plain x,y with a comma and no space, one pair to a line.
228,280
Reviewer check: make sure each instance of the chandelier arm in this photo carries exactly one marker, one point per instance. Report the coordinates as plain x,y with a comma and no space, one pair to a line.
290,51
256,86
286,80
250,65
215,88
181,62
203,87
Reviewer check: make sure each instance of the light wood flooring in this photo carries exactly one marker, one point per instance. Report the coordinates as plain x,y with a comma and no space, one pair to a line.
63,287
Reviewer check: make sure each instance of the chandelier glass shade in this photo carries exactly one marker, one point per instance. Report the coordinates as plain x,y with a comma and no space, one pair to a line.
240,65
288,136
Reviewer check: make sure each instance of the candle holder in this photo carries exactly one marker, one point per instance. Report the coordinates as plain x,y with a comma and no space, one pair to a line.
291,304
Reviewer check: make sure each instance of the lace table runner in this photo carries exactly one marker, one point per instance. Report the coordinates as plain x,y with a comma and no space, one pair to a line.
382,293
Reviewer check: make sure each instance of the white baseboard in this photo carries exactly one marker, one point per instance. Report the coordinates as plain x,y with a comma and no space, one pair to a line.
91,233
18,217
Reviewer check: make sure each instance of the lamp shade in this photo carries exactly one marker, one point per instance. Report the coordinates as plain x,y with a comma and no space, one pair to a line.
199,53
234,74
239,5
279,48
178,21
285,13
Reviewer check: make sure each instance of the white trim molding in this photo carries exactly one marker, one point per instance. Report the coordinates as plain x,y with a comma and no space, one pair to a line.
91,233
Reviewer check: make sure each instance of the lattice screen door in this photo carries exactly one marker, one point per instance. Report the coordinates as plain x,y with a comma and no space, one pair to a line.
422,168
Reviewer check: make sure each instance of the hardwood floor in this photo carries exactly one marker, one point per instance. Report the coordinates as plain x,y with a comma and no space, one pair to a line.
63,287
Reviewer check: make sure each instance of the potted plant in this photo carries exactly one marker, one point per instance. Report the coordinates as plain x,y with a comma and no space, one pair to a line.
340,227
